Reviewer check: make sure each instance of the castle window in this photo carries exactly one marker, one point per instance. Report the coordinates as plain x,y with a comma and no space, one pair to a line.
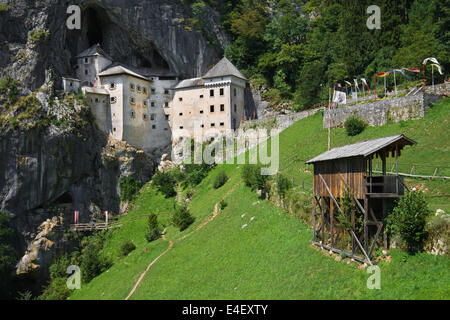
113,99
144,116
213,124
166,91
234,92
132,86
222,107
201,111
202,126
234,124
144,90
221,91
96,100
139,89
166,104
180,114
132,114
167,117
145,103
86,60
114,129
211,93
201,96
153,126
86,72
152,117
222,124
153,90
152,104
181,99
132,100
112,85
211,108
235,108
181,127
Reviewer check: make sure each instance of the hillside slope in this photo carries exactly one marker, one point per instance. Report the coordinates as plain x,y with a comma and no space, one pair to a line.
271,257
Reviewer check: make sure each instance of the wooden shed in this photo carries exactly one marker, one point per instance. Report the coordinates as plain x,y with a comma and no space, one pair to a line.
349,170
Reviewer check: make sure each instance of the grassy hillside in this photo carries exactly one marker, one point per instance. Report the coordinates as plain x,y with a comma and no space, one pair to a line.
271,258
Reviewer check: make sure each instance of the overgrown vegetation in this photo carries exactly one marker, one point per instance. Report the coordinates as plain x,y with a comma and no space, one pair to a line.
38,35
278,46
165,182
408,219
354,125
8,257
129,188
88,257
283,185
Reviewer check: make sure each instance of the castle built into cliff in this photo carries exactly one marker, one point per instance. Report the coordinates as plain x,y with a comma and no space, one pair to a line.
154,110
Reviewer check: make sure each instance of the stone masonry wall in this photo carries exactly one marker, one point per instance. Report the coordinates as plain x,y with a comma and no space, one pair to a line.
380,112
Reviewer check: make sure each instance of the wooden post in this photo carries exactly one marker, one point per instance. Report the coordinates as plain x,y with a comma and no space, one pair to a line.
366,227
314,220
322,209
331,222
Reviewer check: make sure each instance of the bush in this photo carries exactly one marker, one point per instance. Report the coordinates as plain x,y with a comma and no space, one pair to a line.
92,263
153,232
251,174
182,218
195,173
223,204
129,188
57,290
165,183
220,180
127,248
354,126
8,257
408,220
283,185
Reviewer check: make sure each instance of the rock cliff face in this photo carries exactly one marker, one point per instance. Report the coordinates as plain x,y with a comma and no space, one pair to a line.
49,171
47,174
156,34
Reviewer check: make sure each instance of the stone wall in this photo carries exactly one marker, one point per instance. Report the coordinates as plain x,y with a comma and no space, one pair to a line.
380,112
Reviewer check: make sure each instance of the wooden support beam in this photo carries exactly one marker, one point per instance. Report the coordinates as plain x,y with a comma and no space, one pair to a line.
332,222
366,227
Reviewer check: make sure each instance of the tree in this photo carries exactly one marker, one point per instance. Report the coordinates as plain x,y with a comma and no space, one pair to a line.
8,257
153,229
408,219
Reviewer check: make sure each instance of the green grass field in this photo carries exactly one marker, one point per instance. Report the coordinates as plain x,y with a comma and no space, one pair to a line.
272,258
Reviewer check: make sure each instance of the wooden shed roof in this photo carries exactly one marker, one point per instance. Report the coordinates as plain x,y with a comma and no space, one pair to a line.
364,148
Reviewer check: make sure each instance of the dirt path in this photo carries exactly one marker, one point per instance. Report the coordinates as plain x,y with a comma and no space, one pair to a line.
171,243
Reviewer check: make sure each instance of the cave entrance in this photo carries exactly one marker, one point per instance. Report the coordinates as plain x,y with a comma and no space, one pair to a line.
94,27
66,198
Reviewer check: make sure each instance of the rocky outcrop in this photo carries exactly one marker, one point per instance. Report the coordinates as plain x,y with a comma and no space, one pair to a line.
157,34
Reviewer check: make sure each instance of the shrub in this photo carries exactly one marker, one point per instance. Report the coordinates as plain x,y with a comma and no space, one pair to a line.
223,204
8,257
283,185
408,220
354,126
57,290
129,188
165,183
92,263
153,231
126,248
8,90
220,180
251,174
182,218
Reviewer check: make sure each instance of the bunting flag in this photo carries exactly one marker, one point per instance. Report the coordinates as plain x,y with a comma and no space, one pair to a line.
383,74
439,68
356,82
95,82
76,217
340,97
364,82
411,69
434,60
349,83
